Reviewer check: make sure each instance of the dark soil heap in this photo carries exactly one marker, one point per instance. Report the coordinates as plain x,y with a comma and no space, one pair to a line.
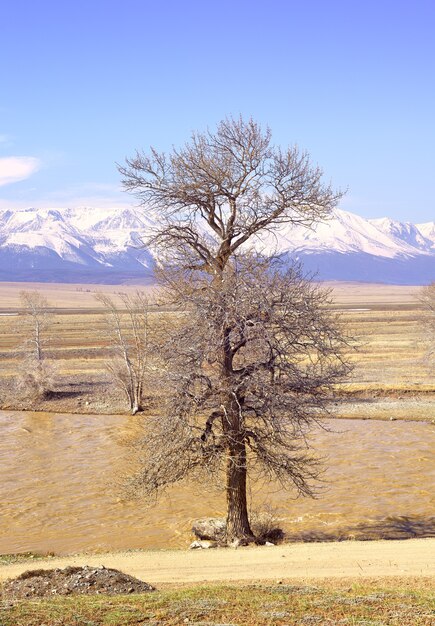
73,580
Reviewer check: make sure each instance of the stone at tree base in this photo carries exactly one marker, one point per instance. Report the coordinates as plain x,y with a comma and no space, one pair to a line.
210,528
214,529
202,545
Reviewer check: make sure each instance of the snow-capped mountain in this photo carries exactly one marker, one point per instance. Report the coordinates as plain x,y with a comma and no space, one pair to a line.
74,245
347,233
106,246
349,247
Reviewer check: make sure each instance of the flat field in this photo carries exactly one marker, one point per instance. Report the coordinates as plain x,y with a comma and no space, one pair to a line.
385,320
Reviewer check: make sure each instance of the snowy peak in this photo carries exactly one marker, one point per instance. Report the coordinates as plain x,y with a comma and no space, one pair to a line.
403,232
106,245
126,219
30,220
348,233
428,232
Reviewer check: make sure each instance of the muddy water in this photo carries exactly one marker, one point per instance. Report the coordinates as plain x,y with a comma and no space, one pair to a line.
59,479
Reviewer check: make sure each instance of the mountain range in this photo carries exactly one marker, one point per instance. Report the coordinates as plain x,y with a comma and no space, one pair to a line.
89,245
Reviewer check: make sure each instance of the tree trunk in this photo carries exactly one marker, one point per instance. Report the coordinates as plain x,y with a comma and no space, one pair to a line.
38,342
238,527
135,404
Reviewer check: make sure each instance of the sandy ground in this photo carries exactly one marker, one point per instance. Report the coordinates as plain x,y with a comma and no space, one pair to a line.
351,559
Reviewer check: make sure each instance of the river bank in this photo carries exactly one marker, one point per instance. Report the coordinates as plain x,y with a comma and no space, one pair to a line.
97,396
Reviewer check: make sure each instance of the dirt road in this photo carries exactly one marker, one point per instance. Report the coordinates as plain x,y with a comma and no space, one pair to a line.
350,559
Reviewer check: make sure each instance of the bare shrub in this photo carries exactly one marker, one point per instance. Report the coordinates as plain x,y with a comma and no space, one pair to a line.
129,336
37,373
37,379
266,525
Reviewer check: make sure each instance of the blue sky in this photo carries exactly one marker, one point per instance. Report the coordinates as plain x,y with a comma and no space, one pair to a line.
83,84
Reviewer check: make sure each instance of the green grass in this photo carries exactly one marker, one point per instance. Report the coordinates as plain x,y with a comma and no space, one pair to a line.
8,559
392,602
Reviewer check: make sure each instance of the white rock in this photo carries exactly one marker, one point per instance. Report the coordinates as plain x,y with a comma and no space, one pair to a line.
202,545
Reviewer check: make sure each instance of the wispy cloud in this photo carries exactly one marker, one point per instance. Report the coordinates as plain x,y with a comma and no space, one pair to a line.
99,195
14,169
91,194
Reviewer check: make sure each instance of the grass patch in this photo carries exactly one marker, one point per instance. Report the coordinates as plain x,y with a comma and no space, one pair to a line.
9,559
392,602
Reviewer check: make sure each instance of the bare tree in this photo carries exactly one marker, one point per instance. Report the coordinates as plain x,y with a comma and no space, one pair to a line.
37,372
127,330
250,370
427,299
257,351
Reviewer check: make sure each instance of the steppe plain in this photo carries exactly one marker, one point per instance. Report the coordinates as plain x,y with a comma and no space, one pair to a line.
385,320
352,582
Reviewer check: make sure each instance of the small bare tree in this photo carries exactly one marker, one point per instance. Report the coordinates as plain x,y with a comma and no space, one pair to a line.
427,299
250,371
37,372
127,330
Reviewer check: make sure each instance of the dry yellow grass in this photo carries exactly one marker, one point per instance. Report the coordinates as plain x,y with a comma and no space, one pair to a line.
385,320
371,602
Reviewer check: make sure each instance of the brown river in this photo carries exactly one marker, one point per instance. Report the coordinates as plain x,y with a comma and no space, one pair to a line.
60,475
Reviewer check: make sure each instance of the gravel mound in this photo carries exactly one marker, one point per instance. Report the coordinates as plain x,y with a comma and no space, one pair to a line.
73,580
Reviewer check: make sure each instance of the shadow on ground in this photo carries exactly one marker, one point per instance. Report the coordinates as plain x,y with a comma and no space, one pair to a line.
75,390
400,527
